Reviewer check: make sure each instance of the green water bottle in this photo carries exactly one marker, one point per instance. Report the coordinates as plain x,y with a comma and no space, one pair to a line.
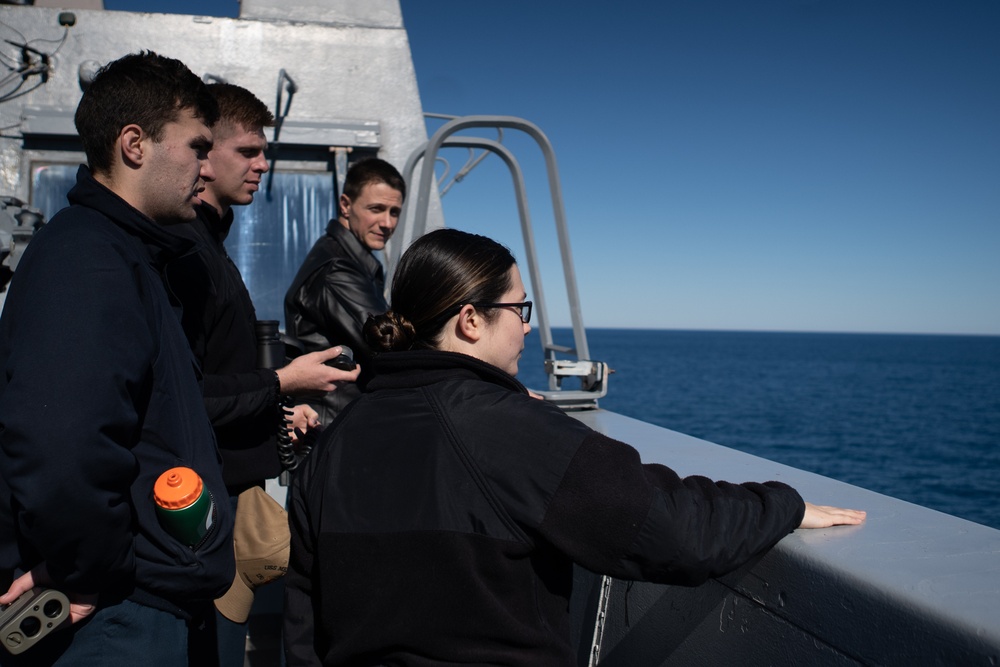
183,504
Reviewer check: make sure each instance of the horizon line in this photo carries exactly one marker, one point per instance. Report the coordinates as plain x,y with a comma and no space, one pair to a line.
777,331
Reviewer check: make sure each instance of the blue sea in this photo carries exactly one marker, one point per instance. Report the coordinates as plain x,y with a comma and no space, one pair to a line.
916,417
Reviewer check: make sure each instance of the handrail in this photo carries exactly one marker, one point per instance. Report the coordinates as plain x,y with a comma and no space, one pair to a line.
520,193
910,586
423,190
469,165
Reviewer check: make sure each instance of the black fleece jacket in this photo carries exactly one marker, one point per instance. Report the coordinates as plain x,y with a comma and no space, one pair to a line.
219,320
438,520
99,395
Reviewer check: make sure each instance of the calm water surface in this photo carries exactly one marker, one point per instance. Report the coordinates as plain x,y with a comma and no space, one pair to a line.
911,416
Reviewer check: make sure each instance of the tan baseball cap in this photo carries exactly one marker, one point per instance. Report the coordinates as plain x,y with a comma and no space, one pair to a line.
261,539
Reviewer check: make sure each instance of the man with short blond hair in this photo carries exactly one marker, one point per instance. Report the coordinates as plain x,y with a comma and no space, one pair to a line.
243,401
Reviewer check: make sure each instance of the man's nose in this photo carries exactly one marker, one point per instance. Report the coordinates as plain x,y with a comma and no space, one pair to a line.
260,164
207,173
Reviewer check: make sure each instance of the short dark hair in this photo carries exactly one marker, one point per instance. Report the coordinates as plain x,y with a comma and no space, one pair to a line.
372,170
442,270
143,88
239,106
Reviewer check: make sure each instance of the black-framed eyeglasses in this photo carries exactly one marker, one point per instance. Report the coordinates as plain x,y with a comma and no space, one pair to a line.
523,308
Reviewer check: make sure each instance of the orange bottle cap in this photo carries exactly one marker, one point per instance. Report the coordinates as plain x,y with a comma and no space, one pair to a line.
177,488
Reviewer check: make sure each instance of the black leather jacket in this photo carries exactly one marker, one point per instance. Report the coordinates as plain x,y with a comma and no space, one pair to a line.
438,520
338,286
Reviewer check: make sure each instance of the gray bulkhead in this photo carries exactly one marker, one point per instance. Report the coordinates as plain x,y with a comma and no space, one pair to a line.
338,75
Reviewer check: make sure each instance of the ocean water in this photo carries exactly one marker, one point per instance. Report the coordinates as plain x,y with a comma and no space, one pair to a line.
916,417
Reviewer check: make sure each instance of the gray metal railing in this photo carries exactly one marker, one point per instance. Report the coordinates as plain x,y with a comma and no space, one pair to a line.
592,375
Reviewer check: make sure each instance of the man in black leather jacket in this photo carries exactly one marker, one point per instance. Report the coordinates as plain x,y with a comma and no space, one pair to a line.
341,281
99,393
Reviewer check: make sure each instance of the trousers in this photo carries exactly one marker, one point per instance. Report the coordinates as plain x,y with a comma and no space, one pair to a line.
125,634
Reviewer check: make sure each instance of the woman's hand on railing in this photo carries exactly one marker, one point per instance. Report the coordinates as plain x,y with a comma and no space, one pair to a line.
824,516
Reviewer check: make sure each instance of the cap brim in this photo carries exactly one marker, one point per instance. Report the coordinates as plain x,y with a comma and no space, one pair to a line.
237,601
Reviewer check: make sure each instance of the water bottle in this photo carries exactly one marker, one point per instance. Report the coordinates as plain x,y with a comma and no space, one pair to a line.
183,504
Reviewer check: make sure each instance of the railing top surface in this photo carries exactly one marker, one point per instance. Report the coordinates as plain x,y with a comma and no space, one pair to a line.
916,561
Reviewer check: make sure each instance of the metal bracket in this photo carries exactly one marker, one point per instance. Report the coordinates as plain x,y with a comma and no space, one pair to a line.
593,383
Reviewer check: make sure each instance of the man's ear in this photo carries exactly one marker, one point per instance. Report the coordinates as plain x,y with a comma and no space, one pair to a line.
470,323
345,205
130,141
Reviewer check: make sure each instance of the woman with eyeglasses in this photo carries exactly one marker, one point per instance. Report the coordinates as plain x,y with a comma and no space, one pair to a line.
437,520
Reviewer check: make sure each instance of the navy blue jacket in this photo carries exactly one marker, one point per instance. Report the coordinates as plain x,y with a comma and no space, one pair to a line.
98,396
219,320
437,521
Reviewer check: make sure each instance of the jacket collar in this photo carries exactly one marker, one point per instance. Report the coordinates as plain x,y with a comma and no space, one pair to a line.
159,242
217,225
343,236
418,368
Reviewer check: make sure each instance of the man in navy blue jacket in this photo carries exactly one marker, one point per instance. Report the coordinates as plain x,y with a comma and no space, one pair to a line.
99,391
219,319
219,316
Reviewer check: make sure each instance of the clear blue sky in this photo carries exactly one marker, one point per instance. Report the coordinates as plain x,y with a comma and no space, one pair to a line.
807,165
